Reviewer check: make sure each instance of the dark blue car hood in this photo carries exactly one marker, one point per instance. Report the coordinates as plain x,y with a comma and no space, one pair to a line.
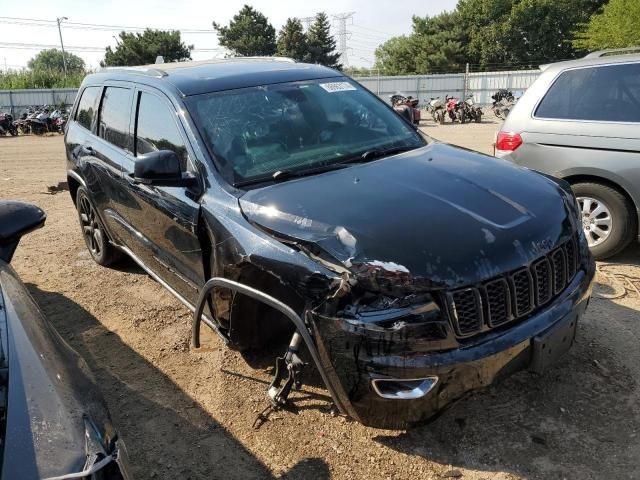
51,393
441,213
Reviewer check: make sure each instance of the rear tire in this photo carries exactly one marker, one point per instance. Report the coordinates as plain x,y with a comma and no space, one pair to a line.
93,232
616,211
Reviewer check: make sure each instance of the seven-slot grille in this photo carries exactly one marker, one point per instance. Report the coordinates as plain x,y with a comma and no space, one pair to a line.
513,295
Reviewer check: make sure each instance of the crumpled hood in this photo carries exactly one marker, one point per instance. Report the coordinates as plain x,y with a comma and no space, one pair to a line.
441,213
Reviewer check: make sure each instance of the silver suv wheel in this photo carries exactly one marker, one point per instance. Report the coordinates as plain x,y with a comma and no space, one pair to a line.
596,220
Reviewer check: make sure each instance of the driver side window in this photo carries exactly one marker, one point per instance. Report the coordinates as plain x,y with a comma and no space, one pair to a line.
156,129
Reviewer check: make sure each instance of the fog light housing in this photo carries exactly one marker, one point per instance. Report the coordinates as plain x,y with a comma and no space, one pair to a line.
403,389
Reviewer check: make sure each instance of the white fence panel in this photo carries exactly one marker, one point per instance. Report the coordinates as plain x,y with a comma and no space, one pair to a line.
15,101
482,84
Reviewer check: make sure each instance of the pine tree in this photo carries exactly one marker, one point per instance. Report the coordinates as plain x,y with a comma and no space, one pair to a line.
143,48
321,46
248,34
292,41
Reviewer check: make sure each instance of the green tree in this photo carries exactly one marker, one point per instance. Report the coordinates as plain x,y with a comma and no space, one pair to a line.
435,45
248,34
52,60
321,46
440,43
397,56
292,41
143,48
618,26
489,34
522,31
359,71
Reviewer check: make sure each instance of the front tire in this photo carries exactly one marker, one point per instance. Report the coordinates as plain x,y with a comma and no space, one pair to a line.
608,218
93,232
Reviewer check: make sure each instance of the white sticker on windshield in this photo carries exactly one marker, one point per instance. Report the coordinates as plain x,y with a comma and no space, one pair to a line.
337,86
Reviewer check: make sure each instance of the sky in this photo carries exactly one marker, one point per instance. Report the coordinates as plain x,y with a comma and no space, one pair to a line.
373,22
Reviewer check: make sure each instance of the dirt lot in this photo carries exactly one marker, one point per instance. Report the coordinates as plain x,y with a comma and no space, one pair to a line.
189,415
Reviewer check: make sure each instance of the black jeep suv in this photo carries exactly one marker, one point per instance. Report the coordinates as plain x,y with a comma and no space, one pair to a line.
413,271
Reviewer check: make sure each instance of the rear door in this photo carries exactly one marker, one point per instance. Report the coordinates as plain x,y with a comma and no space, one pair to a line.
588,120
97,138
163,220
111,145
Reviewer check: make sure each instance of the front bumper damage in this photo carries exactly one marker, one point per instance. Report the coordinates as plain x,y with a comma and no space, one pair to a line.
354,358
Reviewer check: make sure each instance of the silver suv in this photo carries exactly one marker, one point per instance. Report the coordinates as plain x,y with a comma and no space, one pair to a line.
580,121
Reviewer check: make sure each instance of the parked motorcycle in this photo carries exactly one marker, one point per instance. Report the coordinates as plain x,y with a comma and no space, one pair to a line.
406,106
436,109
471,111
454,109
6,125
503,102
41,122
23,124
58,120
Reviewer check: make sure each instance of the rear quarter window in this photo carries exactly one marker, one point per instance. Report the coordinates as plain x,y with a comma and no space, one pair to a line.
608,93
88,107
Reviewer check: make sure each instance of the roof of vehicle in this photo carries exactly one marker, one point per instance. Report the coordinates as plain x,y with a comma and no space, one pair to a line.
193,78
601,57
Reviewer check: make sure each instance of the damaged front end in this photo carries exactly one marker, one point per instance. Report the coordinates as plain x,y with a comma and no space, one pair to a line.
432,276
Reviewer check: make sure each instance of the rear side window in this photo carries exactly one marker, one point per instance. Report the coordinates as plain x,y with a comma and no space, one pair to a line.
88,106
114,117
156,128
609,93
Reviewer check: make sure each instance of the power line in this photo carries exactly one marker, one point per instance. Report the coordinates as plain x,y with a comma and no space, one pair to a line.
43,46
369,39
385,34
373,46
92,26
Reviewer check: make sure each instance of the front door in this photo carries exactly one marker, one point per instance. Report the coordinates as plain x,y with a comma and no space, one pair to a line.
163,220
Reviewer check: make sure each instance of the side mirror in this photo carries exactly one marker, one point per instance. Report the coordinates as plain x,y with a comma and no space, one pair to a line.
161,168
17,219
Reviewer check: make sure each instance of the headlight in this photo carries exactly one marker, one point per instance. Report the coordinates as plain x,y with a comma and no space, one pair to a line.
419,327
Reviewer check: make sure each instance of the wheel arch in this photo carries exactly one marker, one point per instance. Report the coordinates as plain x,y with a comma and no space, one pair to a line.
74,181
254,324
596,178
249,323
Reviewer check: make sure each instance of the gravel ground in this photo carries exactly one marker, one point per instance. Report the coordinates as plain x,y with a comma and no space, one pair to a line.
190,414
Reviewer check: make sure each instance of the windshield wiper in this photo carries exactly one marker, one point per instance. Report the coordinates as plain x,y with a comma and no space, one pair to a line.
375,153
384,152
282,175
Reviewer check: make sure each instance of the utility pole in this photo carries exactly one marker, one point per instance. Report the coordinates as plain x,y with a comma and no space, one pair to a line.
342,34
64,57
